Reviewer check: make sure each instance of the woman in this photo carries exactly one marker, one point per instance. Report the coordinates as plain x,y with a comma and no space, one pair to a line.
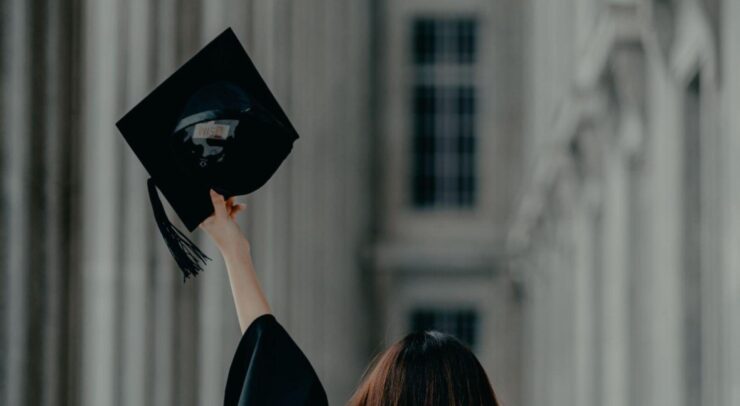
268,368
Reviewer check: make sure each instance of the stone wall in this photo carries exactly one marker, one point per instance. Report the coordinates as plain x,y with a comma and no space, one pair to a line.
626,237
92,309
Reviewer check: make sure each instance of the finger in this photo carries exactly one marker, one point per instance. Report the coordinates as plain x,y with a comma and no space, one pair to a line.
233,215
229,203
233,205
236,209
219,206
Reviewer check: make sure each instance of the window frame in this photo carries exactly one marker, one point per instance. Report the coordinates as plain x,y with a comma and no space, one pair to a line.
401,218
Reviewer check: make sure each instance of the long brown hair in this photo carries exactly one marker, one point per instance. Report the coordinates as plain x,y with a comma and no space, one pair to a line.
426,369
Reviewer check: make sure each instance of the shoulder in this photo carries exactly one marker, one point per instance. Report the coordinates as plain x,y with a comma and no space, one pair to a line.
269,368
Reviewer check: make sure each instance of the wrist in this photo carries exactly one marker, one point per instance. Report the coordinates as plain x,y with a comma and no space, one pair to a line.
232,247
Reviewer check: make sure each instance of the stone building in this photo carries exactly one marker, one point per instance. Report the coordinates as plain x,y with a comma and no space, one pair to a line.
552,181
391,214
626,237
449,134
92,309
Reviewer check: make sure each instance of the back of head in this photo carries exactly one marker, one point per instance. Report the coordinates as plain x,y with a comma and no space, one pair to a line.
429,369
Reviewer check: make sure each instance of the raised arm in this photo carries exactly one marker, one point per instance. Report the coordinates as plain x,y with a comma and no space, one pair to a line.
249,299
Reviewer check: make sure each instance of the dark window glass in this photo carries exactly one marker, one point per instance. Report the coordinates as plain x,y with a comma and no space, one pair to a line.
424,144
461,323
465,145
465,41
425,46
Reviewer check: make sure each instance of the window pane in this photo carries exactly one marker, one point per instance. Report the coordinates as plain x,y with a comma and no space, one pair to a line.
465,146
424,145
444,113
465,41
461,323
424,38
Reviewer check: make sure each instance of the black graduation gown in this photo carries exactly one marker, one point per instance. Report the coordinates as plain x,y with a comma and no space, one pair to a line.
269,369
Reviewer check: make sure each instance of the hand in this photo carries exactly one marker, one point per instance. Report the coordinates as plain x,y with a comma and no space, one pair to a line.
222,225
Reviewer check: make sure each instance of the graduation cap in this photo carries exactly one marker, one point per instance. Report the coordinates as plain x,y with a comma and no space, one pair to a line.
213,124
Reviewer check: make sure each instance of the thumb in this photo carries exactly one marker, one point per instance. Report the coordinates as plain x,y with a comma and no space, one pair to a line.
219,204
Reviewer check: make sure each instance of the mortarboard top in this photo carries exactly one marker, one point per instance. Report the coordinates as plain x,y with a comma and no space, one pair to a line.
213,124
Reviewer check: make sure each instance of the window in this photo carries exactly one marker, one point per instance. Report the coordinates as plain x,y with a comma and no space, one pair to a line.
461,323
444,109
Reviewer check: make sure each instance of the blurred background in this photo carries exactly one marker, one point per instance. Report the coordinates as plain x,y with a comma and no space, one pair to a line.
554,182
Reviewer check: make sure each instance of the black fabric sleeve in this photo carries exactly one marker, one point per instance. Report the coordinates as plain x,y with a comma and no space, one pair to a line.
269,369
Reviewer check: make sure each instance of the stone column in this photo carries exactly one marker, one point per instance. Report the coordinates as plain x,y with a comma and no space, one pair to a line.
627,65
664,364
53,157
136,298
614,324
583,300
533,274
562,341
100,201
268,209
730,286
164,277
16,80
347,79
218,328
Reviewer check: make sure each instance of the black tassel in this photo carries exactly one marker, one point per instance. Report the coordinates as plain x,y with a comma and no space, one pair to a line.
188,256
